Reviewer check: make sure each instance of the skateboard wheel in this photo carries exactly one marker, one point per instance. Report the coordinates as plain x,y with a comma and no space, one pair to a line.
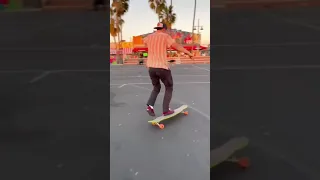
153,123
244,162
161,126
186,113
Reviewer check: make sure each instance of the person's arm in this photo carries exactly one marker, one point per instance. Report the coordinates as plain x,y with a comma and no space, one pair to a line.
181,49
172,43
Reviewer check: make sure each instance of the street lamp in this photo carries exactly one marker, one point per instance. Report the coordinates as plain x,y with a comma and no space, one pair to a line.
195,27
199,28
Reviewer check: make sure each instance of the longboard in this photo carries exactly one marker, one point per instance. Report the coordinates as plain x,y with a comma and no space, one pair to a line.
225,153
156,122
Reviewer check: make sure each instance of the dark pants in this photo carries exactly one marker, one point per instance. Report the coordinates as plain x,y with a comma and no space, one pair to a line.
157,74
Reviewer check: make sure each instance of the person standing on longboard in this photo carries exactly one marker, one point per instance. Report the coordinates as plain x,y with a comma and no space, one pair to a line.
158,66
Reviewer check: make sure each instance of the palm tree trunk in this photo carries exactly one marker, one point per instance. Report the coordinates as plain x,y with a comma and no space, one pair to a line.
194,15
117,53
121,33
115,42
118,45
119,41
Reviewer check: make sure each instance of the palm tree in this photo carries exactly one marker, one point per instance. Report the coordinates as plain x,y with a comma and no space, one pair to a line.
121,22
119,8
168,16
114,31
157,6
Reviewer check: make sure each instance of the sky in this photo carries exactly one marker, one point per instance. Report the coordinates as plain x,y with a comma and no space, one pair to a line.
140,19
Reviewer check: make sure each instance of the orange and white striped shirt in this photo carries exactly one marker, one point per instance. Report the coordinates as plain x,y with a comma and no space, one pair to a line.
157,44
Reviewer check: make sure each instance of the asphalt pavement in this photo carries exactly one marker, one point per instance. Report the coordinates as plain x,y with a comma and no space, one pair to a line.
55,75
265,85
54,78
139,150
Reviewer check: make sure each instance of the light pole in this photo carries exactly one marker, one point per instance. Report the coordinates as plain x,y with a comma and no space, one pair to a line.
199,28
194,16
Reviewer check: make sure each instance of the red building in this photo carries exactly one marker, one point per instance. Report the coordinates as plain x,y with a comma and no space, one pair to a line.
181,37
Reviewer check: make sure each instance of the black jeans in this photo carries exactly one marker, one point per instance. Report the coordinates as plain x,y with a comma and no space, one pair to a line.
157,74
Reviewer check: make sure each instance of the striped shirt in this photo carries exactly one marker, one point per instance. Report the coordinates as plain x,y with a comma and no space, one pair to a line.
157,44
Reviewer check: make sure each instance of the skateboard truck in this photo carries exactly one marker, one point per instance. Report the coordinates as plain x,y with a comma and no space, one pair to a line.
161,126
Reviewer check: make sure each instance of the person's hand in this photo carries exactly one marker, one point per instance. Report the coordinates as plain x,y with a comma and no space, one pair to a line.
190,56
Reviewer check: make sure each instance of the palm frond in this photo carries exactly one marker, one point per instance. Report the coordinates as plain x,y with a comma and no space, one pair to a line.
168,16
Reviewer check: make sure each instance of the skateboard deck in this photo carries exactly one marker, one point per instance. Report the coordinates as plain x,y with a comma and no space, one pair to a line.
225,153
156,122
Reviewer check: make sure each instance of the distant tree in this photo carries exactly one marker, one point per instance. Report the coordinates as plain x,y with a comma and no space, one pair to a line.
118,9
157,6
167,16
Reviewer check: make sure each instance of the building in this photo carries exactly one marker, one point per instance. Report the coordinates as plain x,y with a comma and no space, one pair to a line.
137,46
125,48
181,37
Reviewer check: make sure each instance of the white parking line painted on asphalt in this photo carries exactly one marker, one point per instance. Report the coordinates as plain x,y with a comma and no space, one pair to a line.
206,82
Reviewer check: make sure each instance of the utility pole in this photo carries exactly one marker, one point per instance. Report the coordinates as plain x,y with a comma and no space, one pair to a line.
194,16
198,26
198,36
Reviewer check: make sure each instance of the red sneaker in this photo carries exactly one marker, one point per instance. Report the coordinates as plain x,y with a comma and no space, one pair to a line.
168,112
150,111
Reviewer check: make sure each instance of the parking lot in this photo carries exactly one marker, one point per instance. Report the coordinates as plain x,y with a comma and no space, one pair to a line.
142,151
265,85
54,78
